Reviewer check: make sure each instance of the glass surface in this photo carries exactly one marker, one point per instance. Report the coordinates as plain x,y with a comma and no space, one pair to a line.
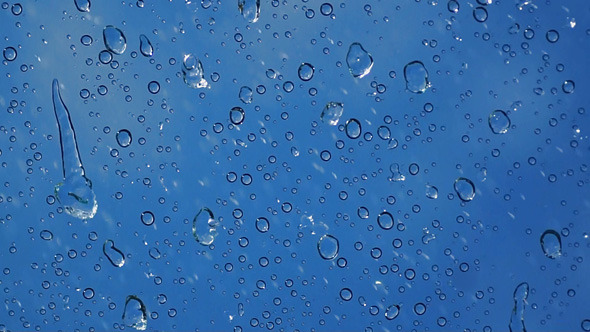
294,165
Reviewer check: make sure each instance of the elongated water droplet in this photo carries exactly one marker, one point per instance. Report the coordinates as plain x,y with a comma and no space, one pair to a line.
193,73
328,247
204,227
250,9
551,243
75,191
83,5
145,46
114,39
465,189
135,313
114,255
359,60
499,122
332,112
416,77
517,317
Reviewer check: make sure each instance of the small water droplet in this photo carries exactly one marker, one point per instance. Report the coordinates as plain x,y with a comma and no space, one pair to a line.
262,225
353,128
147,218
499,122
552,36
328,247
9,53
124,138
431,192
154,87
145,46
453,6
114,39
236,115
568,86
416,77
306,71
392,312
465,189
332,112
135,313
250,9
359,60
245,95
551,243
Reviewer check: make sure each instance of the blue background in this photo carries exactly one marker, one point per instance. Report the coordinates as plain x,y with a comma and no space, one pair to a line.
533,178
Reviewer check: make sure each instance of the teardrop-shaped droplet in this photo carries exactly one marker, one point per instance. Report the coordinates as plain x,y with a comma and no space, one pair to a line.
416,77
250,9
75,191
332,112
328,247
359,60
193,73
465,189
499,122
83,5
114,255
204,227
145,46
135,313
114,39
551,243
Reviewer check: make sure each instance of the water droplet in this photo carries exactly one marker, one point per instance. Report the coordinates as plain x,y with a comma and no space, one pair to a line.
453,6
431,192
204,227
114,39
154,87
499,122
83,5
517,317
124,138
147,218
568,86
552,36
262,225
385,220
480,14
396,174
135,313
17,9
328,247
392,312
306,71
193,73
346,294
359,60
332,112
551,243
250,9
9,53
46,235
245,95
353,128
114,255
86,40
145,46
465,189
236,115
105,57
75,191
416,77
88,293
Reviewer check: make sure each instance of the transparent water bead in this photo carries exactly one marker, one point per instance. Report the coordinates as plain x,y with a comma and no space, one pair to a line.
359,61
332,112
193,73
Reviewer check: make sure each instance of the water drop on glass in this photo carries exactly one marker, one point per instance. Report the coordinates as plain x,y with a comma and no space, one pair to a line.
153,87
480,14
250,9
135,313
124,138
83,5
245,95
416,77
568,86
328,247
392,311
147,218
145,46
236,115
552,36
551,243
193,73
105,57
262,225
353,128
499,122
465,189
332,112
453,6
86,40
113,254
204,227
431,192
9,53
306,71
359,60
385,220
114,39
326,9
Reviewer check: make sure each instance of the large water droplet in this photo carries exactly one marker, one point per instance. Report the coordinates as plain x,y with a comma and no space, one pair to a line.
114,39
392,312
193,73
465,189
75,191
83,5
236,115
9,53
250,9
328,247
551,243
114,255
431,192
353,128
499,122
396,173
359,60
480,14
517,317
204,227
124,138
262,225
416,77
306,71
145,46
385,220
245,95
135,313
332,112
